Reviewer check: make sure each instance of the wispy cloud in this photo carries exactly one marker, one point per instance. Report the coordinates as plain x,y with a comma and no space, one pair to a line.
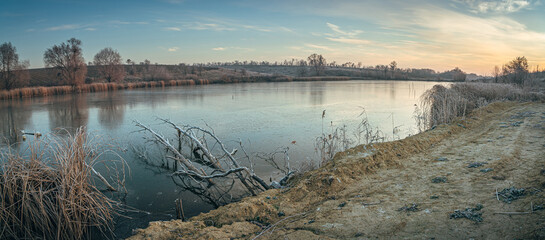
341,36
219,49
90,29
351,41
261,29
177,29
173,49
118,22
208,26
501,6
338,30
214,24
321,47
63,27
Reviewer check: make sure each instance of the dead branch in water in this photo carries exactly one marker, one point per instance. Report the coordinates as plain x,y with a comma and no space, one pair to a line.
207,167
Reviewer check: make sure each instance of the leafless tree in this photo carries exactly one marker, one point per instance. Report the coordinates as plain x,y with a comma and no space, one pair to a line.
516,71
318,62
13,73
109,64
496,73
393,67
458,75
67,58
202,164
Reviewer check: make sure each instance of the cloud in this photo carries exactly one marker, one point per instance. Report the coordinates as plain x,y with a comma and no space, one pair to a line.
127,23
173,29
209,26
256,28
351,41
338,30
321,47
90,29
216,24
501,6
63,27
173,49
219,49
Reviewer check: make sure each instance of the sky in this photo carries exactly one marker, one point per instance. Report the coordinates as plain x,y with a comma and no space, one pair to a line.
474,35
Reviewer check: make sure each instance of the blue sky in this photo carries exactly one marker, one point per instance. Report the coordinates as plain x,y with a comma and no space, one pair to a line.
474,35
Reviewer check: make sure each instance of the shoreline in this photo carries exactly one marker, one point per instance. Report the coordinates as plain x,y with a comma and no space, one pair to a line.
42,91
361,193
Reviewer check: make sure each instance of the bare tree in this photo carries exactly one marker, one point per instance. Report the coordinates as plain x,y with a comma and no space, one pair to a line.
109,64
393,67
458,75
496,73
516,71
200,162
318,62
13,73
67,58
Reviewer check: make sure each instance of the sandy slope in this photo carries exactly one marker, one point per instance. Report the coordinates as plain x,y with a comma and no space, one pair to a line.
359,194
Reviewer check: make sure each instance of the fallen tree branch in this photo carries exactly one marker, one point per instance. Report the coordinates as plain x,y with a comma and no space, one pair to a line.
203,177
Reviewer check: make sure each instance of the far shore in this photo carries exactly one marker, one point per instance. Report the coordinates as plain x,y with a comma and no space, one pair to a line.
44,91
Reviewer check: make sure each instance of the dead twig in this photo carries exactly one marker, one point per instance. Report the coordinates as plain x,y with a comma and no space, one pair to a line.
274,225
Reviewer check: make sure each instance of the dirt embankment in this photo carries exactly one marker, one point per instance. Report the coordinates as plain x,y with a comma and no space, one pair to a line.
405,189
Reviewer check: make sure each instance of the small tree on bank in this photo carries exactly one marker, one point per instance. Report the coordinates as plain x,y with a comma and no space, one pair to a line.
516,71
109,65
318,62
67,58
13,73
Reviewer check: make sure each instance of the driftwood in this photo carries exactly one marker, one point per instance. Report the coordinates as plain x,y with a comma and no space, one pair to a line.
203,165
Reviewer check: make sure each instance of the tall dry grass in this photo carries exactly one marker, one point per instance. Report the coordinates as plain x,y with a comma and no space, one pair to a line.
443,104
29,92
49,192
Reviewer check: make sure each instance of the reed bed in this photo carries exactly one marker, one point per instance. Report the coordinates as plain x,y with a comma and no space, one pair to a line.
443,104
49,193
29,92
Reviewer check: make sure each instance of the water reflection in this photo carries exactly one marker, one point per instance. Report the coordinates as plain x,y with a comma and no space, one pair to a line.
316,93
68,113
111,110
14,117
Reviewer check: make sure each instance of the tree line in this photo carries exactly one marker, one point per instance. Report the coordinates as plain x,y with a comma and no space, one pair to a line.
67,62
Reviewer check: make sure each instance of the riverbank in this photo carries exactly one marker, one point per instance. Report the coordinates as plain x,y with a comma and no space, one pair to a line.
44,91
409,188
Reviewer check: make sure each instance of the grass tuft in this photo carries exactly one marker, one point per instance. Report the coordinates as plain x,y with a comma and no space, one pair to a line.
50,193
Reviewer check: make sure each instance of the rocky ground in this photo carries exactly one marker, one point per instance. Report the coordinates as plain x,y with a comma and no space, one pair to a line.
481,178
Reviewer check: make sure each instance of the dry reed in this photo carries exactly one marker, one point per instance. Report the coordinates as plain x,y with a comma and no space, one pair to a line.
29,92
443,104
49,192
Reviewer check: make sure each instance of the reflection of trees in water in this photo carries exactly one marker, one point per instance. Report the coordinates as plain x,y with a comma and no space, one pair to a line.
315,90
70,113
111,110
14,116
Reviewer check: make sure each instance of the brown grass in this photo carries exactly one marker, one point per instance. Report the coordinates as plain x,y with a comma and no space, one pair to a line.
442,104
30,92
49,193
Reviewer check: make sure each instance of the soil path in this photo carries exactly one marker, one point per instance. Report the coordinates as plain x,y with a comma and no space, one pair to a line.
430,182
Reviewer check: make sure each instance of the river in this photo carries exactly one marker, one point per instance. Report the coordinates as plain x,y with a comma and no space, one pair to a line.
265,116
